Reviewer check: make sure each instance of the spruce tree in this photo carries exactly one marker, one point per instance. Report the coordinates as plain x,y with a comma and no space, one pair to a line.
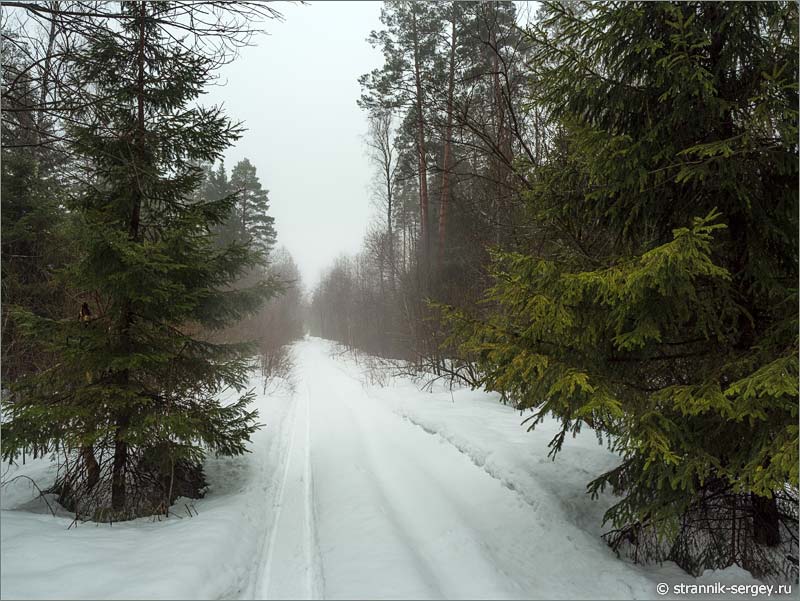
660,306
215,183
35,225
134,397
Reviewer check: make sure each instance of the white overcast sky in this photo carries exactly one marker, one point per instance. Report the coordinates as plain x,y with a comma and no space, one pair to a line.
296,91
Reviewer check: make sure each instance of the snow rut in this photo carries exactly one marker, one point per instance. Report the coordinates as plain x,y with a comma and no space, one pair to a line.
290,567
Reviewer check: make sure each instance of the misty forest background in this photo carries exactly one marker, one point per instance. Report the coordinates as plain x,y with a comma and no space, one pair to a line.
594,214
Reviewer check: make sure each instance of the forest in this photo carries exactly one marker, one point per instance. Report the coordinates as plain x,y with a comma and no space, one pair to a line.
597,217
588,210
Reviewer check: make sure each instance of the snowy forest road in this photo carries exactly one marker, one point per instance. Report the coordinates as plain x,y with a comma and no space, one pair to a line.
351,491
370,505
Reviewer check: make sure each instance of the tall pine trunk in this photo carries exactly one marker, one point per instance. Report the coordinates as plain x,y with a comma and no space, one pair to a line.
502,155
421,154
444,200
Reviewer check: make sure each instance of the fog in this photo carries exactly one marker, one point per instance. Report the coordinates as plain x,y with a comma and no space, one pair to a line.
295,90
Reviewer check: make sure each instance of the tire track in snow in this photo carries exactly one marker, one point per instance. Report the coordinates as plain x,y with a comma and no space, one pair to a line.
314,574
266,561
272,460
397,520
483,560
292,569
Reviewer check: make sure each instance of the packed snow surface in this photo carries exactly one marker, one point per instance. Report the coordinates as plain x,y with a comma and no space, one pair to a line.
352,491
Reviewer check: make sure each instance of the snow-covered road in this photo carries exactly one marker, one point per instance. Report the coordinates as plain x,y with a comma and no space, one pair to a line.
372,505
353,491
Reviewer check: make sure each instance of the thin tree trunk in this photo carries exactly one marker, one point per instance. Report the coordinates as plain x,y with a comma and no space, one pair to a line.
46,73
92,467
405,249
502,159
137,206
766,521
387,157
422,160
390,232
500,117
118,489
443,201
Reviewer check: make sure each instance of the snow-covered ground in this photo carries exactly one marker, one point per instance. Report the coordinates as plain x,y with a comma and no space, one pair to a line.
352,491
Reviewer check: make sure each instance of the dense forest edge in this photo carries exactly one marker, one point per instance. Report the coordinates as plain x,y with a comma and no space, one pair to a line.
591,210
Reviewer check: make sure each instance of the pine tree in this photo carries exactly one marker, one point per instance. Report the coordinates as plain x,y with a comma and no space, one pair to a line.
134,398
251,218
661,307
